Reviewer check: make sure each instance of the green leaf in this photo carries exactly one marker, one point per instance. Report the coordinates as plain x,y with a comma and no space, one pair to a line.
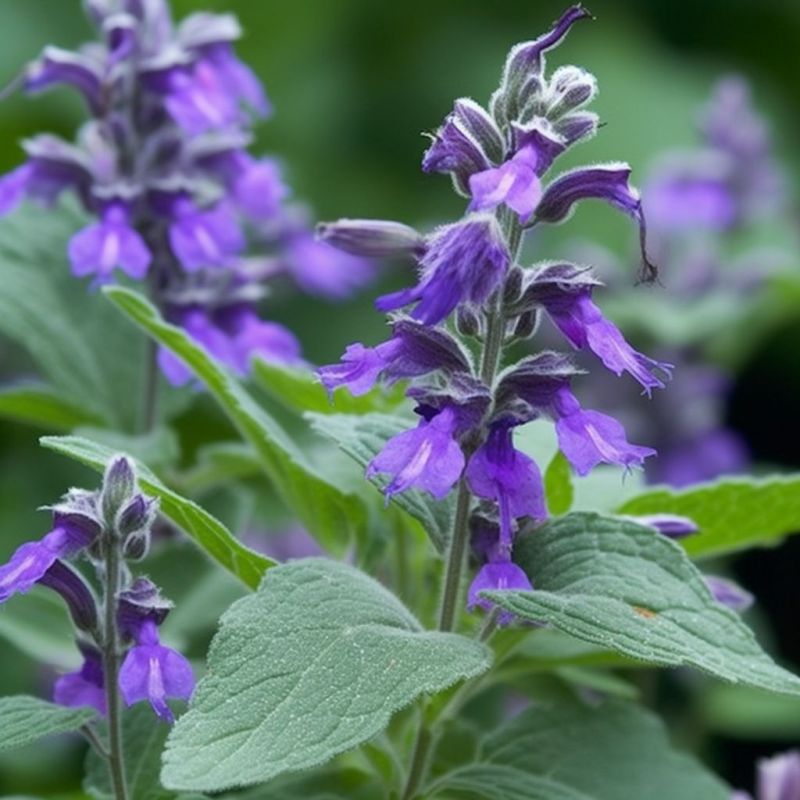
313,664
221,463
627,588
158,448
143,738
362,438
329,513
614,751
299,390
26,719
744,713
38,404
209,533
558,485
501,782
732,513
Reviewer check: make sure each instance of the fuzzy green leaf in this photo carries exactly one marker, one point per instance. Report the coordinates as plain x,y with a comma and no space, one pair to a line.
27,719
627,588
38,404
362,438
208,532
313,664
329,512
732,513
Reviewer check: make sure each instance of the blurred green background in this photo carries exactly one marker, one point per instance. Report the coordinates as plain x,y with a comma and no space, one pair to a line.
354,83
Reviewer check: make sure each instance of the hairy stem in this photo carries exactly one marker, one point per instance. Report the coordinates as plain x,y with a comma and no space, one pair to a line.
116,762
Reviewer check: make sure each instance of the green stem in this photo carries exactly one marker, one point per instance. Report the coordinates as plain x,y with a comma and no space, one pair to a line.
419,761
150,387
116,762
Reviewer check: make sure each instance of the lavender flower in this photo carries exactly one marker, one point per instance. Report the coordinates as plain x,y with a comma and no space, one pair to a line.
163,166
84,687
778,778
154,673
499,159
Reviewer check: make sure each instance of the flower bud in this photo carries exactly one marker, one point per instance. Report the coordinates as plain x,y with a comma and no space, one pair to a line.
140,602
374,238
670,525
570,88
526,325
119,486
137,546
728,593
467,322
482,127
138,515
512,288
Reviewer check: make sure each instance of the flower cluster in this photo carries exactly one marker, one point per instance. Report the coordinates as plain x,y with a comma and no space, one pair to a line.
499,160
106,528
163,165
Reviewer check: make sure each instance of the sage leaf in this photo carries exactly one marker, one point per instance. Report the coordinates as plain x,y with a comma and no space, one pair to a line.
27,719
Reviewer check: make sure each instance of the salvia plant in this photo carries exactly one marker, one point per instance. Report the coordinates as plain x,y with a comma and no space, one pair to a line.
495,590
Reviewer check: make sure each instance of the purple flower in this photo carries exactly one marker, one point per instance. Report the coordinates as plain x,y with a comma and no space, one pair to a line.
426,457
508,477
588,438
497,577
31,560
258,189
236,78
251,336
514,183
82,70
679,202
374,238
85,687
779,777
581,321
110,243
198,100
207,238
413,350
154,673
320,269
359,367
13,187
702,457
728,593
465,261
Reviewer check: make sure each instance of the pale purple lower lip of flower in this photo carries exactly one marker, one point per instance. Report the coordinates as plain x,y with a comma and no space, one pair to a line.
208,238
493,577
359,367
109,244
154,673
85,687
426,457
197,100
514,183
588,438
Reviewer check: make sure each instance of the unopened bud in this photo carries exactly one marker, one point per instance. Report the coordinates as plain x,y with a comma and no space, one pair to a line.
728,593
512,288
119,486
137,516
467,322
527,322
482,127
570,88
375,238
78,596
671,525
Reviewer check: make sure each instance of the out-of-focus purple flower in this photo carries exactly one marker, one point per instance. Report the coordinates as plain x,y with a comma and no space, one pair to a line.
284,545
672,526
154,673
208,238
728,593
198,100
31,560
514,183
581,321
252,336
701,457
84,687
82,70
359,367
236,78
323,270
464,262
13,187
778,778
497,576
108,244
258,189
426,457
680,202
499,472
588,438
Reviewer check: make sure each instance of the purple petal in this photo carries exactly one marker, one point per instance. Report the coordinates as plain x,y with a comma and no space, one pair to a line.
205,238
358,370
79,70
497,577
175,371
683,202
426,457
779,777
728,593
237,78
13,187
320,269
85,687
515,183
672,526
588,438
508,477
251,336
258,189
198,100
